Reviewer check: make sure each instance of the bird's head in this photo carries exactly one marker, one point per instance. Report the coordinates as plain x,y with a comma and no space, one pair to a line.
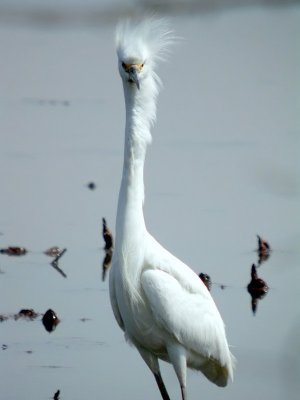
133,71
139,46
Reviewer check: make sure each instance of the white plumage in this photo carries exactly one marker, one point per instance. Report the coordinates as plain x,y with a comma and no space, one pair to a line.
162,306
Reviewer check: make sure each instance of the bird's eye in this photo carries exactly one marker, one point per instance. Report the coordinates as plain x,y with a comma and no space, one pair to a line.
123,65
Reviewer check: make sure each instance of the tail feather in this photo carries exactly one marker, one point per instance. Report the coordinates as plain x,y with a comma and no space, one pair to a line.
217,373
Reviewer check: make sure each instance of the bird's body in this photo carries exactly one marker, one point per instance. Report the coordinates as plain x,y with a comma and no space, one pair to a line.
162,306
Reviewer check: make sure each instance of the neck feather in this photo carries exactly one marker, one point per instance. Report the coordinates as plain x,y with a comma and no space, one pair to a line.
140,115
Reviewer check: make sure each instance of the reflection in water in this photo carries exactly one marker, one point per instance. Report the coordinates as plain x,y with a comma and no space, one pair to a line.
108,248
56,395
106,263
57,253
54,263
205,279
257,288
56,267
50,320
263,250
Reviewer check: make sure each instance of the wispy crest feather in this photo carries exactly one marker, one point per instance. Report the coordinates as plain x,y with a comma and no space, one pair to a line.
150,39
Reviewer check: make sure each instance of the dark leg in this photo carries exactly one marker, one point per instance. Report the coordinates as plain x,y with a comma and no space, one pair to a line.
183,393
161,386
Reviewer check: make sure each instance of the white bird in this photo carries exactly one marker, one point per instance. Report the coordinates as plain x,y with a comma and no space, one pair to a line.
160,303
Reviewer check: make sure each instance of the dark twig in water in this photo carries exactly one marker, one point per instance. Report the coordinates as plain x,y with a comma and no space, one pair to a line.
56,395
107,236
54,263
263,250
205,279
106,263
257,288
59,256
56,267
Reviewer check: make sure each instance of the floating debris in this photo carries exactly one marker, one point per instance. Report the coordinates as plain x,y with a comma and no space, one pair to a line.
106,263
14,251
256,285
54,263
257,288
3,317
107,236
205,279
263,250
53,251
50,320
27,313
91,185
56,395
59,255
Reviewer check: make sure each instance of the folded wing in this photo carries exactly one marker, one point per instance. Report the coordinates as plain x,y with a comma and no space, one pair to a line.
187,311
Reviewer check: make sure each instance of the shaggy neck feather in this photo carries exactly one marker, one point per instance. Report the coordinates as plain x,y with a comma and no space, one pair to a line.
140,115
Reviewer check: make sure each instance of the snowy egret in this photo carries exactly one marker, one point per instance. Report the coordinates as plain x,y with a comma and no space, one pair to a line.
160,303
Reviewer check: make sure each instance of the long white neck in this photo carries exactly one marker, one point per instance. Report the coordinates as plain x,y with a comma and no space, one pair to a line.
140,114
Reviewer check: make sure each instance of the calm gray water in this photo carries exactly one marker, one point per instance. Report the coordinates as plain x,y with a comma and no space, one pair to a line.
223,167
